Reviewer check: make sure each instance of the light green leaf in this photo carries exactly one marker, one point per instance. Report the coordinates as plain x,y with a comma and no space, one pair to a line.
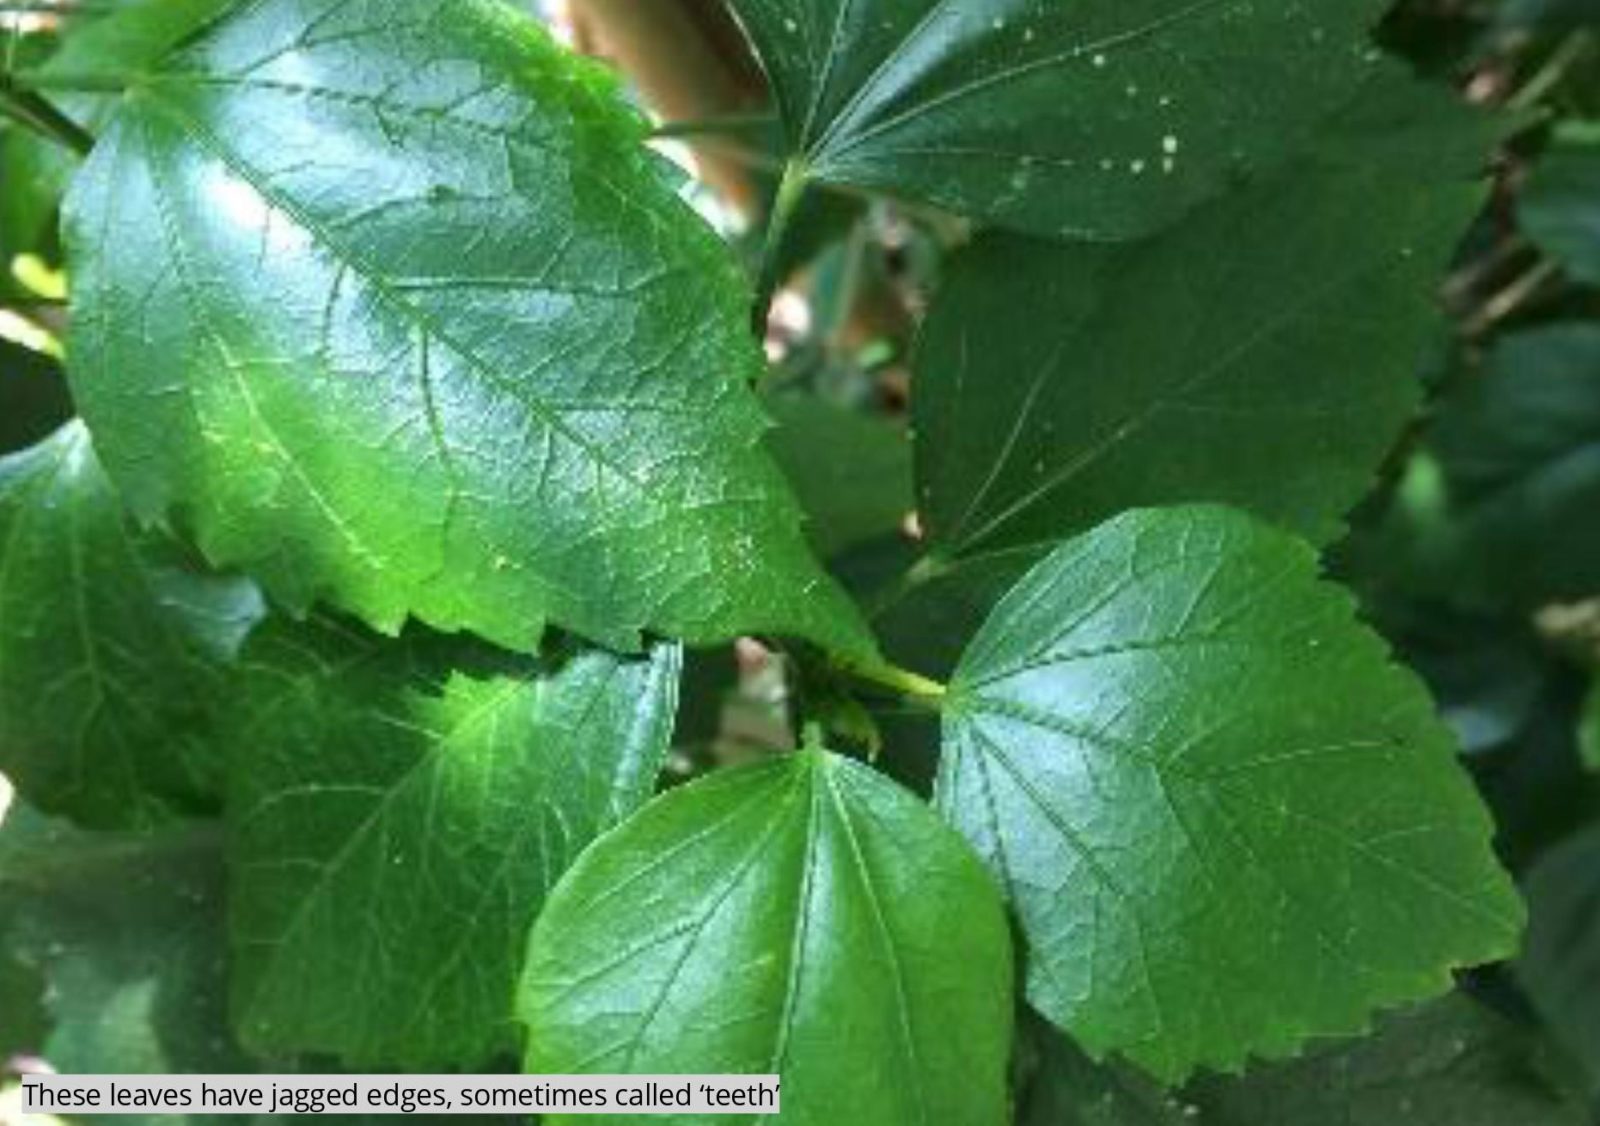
851,472
400,811
1100,118
805,917
1291,316
1226,822
113,650
435,336
123,46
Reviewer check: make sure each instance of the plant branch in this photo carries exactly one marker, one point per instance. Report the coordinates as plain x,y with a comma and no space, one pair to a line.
902,682
31,110
1553,71
785,207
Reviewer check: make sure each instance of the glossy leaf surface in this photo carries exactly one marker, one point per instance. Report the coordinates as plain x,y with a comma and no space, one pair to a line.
401,809
113,655
400,314
805,917
1100,119
1226,821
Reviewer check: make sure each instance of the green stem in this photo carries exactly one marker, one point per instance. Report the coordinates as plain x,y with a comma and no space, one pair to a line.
1554,69
64,83
902,682
785,207
729,123
29,109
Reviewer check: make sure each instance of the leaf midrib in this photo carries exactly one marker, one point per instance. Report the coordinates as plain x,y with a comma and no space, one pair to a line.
213,146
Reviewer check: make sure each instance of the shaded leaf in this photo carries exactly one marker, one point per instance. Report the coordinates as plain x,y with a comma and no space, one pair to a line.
1560,963
436,336
1226,821
1589,730
1451,1062
400,811
113,653
1101,119
1291,319
805,917
1559,209
851,472
126,931
1517,451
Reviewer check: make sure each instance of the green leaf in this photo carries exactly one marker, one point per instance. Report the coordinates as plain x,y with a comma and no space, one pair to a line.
1589,729
436,336
26,1024
1451,1062
1560,963
1560,207
805,917
1064,1087
33,176
121,47
1291,317
1517,450
1100,119
400,811
126,931
114,648
1226,821
851,472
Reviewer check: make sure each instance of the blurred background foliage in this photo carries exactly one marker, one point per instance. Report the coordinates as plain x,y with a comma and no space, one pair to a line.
1478,556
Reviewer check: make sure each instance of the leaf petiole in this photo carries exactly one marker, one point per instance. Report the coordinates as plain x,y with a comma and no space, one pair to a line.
29,109
902,682
785,207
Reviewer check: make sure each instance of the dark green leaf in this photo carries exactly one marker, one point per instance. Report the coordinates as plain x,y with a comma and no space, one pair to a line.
435,336
112,655
1589,730
1560,964
805,917
1226,821
1290,316
1550,15
851,472
400,811
1101,118
1516,453
24,1024
1560,207
1449,1063
127,933
1067,1088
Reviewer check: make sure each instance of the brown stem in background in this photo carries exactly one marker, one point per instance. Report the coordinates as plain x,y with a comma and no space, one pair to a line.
690,63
